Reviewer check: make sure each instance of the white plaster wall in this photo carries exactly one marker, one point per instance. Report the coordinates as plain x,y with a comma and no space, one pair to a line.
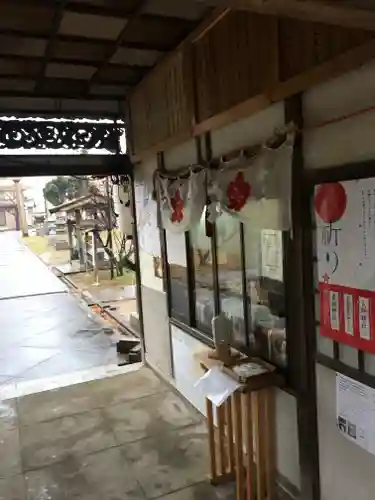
287,456
156,328
181,156
249,131
187,370
347,141
143,190
154,302
346,470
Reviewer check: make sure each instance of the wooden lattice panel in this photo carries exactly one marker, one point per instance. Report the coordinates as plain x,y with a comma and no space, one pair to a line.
304,45
236,60
160,106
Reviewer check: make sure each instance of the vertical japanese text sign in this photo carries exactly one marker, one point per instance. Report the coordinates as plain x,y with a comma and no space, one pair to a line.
345,243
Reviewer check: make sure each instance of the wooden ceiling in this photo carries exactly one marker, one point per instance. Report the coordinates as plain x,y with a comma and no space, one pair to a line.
348,13
82,57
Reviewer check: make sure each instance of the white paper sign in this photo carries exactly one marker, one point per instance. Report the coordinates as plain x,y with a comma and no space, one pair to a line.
348,313
364,318
355,412
272,254
334,310
345,233
345,244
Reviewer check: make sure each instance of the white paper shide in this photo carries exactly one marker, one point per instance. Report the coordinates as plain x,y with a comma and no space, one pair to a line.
217,386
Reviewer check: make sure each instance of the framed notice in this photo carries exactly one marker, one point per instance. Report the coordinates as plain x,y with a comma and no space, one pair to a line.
355,412
272,254
345,244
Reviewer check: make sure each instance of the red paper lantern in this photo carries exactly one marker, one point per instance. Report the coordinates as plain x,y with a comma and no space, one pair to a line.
330,201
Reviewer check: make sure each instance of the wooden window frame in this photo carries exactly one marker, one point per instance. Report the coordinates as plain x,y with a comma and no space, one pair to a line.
204,153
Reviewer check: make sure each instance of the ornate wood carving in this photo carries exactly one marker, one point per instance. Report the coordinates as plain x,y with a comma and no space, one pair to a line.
31,134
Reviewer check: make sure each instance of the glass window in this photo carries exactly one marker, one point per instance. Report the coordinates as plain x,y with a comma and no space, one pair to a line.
204,290
177,262
230,275
265,290
257,314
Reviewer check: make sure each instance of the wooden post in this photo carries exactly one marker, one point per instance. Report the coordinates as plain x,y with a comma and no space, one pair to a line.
21,207
249,448
222,451
109,227
237,417
230,435
70,239
94,249
299,282
258,427
78,218
270,442
87,248
211,440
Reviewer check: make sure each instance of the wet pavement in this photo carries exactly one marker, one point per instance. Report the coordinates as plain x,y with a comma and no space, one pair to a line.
128,437
124,436
45,331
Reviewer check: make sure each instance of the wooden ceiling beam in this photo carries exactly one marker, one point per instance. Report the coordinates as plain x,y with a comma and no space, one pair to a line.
57,17
118,42
15,166
307,10
140,70
118,11
56,113
107,44
60,96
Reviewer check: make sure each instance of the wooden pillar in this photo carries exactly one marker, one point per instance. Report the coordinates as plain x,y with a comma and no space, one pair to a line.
301,319
94,250
80,243
110,226
70,239
21,208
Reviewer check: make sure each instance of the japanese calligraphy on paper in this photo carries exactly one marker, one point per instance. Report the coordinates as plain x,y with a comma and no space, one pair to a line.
345,243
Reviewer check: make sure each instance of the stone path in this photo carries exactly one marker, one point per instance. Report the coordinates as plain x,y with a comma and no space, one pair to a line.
45,331
128,437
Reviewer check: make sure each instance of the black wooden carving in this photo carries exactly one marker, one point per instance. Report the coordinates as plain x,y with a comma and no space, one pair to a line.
16,134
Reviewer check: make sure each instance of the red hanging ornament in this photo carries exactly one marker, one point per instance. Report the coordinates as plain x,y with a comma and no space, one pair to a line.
177,206
238,192
330,202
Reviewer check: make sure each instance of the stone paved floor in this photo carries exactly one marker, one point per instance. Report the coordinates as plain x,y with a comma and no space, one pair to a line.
128,437
45,331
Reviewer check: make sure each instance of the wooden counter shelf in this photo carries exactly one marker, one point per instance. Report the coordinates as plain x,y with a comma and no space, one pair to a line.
242,443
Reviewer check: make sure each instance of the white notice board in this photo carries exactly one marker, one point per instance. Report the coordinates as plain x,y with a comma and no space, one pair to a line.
355,412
